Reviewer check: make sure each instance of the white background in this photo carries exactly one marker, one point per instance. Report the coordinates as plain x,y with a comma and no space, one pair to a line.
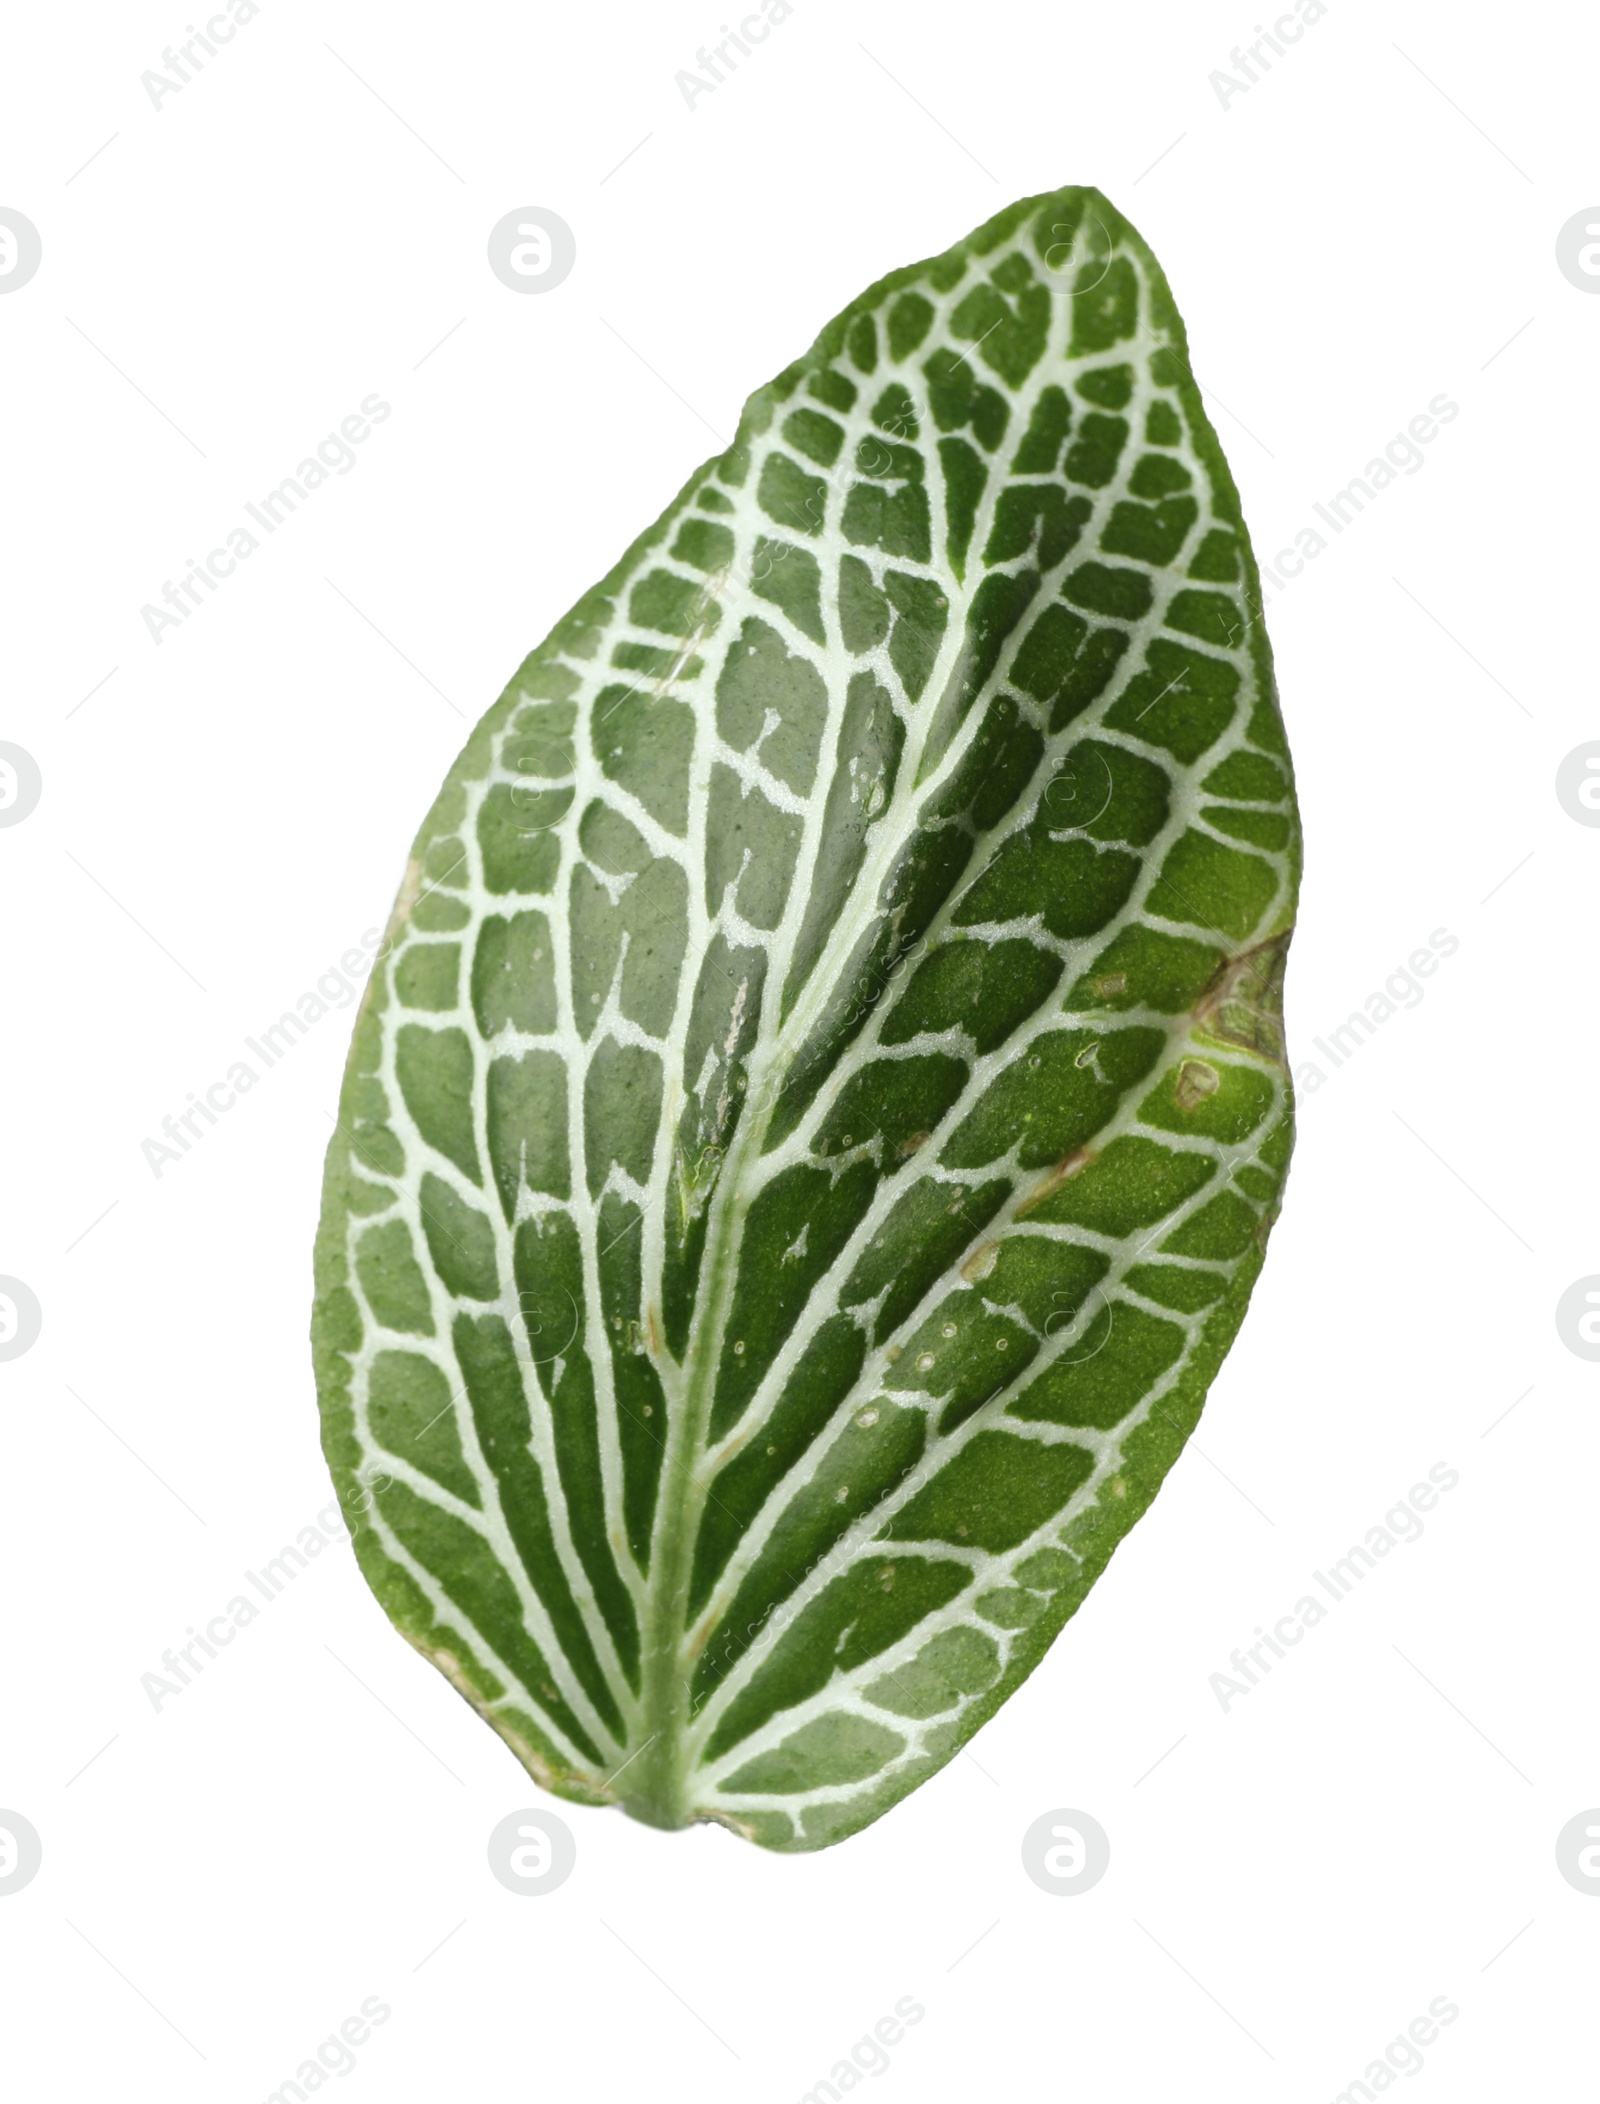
1371,224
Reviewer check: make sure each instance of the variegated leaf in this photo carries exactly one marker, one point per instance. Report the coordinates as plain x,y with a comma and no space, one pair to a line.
812,1134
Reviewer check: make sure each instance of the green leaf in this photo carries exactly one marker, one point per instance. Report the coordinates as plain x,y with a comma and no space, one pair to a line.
814,1126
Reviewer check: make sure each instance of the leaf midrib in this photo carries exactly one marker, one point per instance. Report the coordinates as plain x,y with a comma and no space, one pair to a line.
664,1705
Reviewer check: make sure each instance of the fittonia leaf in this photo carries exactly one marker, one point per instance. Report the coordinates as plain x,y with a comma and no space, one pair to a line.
811,1139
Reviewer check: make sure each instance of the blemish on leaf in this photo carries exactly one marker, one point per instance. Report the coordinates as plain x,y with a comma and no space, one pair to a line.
1197,1079
1069,1166
981,1262
1243,1005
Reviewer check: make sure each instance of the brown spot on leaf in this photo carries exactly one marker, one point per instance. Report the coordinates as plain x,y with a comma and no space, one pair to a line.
1069,1166
981,1262
559,1781
1197,1079
1243,1005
